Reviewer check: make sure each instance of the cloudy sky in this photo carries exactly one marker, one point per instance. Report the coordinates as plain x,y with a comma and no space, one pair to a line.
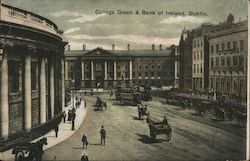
82,24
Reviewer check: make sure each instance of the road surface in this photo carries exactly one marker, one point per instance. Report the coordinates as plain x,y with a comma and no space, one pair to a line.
193,137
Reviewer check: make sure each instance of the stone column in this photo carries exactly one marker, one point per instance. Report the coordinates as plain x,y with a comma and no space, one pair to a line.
130,69
42,92
105,71
27,93
63,88
52,88
66,70
4,99
92,70
82,70
115,77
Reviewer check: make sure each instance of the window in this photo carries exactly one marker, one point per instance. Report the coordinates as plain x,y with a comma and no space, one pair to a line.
201,44
212,49
241,60
235,44
194,55
198,44
140,67
139,74
222,59
201,54
86,67
152,74
235,61
119,74
198,55
217,62
194,68
13,69
201,68
146,74
126,67
241,45
152,67
217,48
198,66
212,62
228,45
159,67
223,46
228,61
194,44
33,75
133,74
146,67
146,61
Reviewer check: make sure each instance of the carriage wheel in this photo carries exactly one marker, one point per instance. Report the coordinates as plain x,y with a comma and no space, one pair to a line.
169,136
19,156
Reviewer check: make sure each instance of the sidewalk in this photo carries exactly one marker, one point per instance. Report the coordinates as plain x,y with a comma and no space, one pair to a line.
64,132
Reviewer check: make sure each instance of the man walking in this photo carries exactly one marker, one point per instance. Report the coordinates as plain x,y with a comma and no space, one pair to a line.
84,141
103,135
73,121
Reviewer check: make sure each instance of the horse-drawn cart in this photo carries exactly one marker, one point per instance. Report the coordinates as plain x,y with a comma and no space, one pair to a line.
142,111
157,128
29,151
100,104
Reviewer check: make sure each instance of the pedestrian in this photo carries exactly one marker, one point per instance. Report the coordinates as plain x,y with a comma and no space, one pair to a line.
165,121
84,141
64,117
84,157
56,130
69,115
73,121
103,135
85,104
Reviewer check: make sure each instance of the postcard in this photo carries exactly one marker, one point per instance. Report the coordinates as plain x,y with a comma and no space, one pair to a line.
146,80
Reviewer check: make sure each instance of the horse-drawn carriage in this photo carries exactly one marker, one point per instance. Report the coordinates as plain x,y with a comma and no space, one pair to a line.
29,151
157,128
100,104
142,111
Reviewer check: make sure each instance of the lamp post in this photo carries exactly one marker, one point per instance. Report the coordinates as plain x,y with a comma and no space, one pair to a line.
72,90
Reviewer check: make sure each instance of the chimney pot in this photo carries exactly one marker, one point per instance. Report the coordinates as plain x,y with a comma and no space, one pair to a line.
153,46
160,47
113,47
128,46
83,47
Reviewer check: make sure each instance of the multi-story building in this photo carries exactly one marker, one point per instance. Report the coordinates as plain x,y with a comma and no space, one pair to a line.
228,58
109,68
200,58
185,58
31,74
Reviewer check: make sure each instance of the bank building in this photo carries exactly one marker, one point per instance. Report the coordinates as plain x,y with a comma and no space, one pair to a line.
86,69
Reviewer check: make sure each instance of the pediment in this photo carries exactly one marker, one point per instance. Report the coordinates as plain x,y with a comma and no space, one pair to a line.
99,52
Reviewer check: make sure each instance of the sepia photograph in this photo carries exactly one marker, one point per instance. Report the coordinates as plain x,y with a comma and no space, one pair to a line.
124,80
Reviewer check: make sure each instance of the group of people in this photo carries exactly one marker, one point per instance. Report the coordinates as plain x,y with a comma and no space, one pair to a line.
85,142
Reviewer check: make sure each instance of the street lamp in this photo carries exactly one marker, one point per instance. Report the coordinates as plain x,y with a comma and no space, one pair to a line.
72,92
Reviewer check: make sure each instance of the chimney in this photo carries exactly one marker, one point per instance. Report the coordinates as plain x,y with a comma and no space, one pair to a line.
153,46
160,47
68,47
128,46
113,46
83,47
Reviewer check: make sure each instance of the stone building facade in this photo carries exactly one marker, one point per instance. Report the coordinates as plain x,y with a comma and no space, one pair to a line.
185,59
228,43
109,68
31,71
200,58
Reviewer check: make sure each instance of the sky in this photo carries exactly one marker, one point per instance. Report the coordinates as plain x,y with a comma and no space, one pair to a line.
96,23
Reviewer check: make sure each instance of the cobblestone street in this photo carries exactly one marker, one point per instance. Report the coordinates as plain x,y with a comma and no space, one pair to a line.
193,137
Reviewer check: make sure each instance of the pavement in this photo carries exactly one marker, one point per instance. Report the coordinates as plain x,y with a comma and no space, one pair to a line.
64,132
